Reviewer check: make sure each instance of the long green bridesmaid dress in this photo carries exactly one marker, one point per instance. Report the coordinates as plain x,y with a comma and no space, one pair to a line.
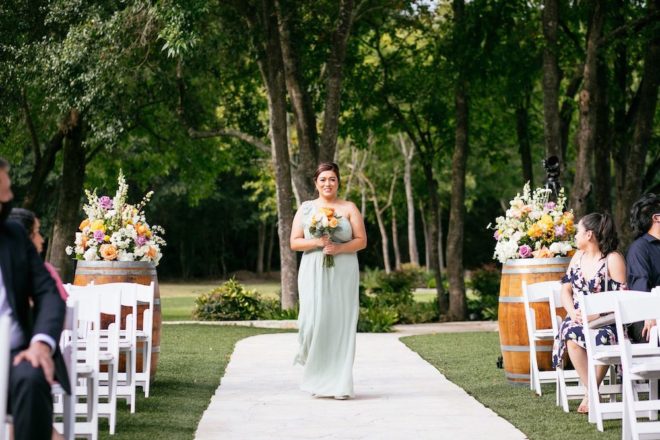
327,322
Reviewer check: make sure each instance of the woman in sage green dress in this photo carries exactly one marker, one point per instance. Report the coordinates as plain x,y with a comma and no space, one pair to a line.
329,303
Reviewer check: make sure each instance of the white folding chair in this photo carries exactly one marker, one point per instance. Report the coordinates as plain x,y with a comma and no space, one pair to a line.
144,335
537,293
63,403
639,368
568,381
107,346
604,304
5,357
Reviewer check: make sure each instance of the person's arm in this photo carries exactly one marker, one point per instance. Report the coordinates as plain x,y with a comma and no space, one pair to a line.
638,268
298,242
359,240
567,294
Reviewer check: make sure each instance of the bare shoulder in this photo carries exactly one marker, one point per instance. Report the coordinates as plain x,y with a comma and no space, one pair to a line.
576,259
349,208
615,259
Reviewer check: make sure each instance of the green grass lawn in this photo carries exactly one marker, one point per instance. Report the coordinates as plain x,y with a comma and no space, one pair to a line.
468,360
193,358
178,299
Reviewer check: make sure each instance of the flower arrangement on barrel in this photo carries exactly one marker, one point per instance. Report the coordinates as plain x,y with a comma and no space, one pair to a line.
535,227
115,230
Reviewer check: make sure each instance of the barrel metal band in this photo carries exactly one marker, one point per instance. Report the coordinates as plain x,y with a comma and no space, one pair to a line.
518,299
122,272
516,375
155,349
157,301
519,348
511,270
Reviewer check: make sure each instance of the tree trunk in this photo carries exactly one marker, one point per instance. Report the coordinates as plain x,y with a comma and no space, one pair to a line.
272,70
427,242
588,114
551,125
334,67
381,223
441,249
602,180
567,108
261,247
522,130
410,200
395,241
42,167
455,271
641,135
67,216
271,241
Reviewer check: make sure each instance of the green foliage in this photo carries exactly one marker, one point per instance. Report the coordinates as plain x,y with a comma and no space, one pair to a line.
273,310
229,302
418,312
376,319
485,283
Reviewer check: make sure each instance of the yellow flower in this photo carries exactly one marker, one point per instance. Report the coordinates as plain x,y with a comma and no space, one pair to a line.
83,224
97,225
535,231
106,238
108,252
142,229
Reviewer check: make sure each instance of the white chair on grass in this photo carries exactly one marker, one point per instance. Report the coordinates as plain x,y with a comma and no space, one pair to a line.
63,403
534,294
639,368
609,356
5,356
144,334
569,386
106,347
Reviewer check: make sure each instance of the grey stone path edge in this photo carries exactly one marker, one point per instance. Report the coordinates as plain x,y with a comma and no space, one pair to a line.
398,395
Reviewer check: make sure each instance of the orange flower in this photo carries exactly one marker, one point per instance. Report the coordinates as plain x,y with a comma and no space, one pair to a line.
84,224
142,229
544,252
83,241
329,212
108,252
333,222
535,231
151,253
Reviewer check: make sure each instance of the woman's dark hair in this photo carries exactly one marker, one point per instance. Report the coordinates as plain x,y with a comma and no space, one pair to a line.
25,217
603,228
641,213
327,166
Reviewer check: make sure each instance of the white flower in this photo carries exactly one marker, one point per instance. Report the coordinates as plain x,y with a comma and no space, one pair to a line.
324,221
556,248
91,254
68,250
125,256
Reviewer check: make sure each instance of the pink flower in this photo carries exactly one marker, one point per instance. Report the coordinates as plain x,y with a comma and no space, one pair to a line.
99,235
496,235
105,202
560,230
549,206
525,251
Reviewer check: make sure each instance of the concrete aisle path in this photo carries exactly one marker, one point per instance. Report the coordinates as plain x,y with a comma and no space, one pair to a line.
398,396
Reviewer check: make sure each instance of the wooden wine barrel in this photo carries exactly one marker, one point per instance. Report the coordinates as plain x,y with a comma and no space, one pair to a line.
511,314
139,272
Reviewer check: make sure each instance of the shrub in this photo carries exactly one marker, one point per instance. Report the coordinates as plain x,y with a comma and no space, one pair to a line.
229,302
418,312
485,283
376,319
272,310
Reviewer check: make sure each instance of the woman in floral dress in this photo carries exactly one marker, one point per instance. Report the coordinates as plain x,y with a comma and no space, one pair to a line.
596,267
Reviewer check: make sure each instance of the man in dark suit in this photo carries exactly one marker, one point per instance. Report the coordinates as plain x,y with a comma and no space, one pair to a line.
28,294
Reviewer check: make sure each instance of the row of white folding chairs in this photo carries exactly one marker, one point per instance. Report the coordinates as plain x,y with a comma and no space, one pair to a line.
639,367
609,356
566,382
106,344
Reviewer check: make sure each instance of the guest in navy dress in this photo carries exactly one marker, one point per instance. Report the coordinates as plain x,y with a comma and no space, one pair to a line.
596,267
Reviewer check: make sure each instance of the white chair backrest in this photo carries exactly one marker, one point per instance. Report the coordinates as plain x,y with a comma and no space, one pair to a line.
629,310
89,320
145,295
555,303
5,354
69,339
605,302
535,293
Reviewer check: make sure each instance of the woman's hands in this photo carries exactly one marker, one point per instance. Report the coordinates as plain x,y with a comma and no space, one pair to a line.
329,247
576,315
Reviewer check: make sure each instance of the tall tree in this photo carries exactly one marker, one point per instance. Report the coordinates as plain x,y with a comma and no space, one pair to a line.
551,121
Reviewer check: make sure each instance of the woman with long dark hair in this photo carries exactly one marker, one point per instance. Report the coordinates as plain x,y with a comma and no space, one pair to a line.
329,303
596,267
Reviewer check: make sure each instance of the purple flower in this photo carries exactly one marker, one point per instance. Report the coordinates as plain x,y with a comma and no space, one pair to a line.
549,206
525,251
99,235
560,230
105,202
141,240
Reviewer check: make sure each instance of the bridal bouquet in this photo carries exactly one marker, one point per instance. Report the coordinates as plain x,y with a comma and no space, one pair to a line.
115,230
534,227
324,222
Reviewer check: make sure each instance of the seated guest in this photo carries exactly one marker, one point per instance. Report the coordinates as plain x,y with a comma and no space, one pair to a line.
32,224
29,297
643,257
596,267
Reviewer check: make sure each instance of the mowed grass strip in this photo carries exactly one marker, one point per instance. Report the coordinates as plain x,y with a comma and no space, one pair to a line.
468,360
193,358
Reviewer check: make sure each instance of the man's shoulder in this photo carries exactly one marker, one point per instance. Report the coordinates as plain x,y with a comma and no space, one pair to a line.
637,247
